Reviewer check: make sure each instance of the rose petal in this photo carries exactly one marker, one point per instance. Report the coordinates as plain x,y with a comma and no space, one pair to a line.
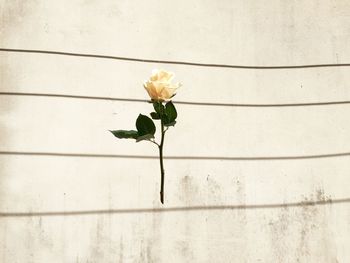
165,76
151,90
165,93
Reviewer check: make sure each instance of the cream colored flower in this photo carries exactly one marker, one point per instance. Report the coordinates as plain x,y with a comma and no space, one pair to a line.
159,86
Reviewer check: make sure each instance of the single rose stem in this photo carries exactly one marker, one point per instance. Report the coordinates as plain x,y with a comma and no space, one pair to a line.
161,164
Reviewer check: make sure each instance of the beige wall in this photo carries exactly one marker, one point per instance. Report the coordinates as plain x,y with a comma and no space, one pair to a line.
256,223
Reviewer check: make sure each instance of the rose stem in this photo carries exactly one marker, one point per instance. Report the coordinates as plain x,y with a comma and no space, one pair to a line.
161,163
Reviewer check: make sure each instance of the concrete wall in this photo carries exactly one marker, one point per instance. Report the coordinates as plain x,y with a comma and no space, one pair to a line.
227,210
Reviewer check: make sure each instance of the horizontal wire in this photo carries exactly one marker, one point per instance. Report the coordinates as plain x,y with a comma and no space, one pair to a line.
218,158
174,209
178,102
170,62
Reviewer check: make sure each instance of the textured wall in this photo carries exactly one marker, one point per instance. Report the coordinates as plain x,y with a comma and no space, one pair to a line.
55,152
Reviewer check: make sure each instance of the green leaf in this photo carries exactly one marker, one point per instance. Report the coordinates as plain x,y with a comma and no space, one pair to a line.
155,116
146,137
170,111
170,114
145,125
170,123
158,107
124,134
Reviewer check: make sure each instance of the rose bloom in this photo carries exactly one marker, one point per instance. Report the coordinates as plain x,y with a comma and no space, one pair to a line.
159,86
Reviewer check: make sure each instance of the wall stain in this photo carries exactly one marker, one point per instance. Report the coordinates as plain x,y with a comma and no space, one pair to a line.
142,257
278,233
44,238
213,191
29,240
154,243
100,236
14,13
314,226
6,106
241,215
121,249
188,195
12,16
189,190
296,230
213,196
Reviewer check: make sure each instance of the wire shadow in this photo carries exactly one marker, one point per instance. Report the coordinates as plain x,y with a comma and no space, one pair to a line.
251,105
170,62
218,158
173,209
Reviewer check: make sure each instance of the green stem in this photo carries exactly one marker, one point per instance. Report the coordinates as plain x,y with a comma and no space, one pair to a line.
161,164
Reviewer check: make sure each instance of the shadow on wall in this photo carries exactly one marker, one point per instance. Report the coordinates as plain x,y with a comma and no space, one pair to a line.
176,209
141,60
219,158
218,104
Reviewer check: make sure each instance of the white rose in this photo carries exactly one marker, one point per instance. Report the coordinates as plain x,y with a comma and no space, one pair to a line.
159,86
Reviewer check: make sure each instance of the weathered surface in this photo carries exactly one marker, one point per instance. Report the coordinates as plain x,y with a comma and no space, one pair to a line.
233,211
